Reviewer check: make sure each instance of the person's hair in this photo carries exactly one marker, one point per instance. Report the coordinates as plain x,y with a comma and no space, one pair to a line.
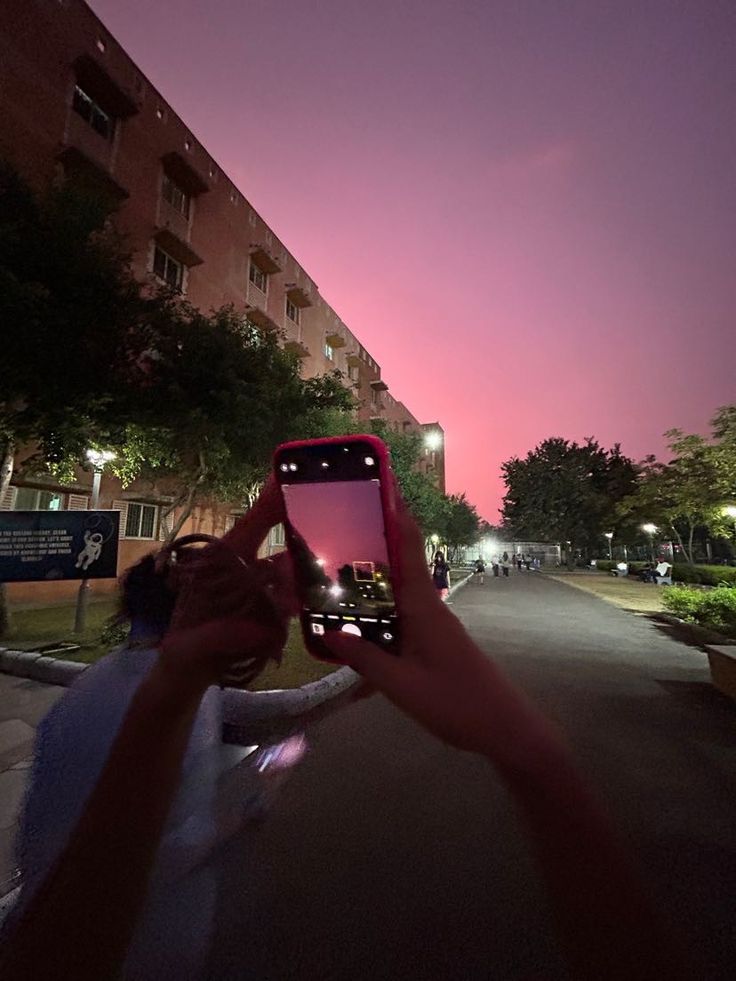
440,556
146,595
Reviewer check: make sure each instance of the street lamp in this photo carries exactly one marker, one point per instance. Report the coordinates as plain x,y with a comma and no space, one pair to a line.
433,441
609,536
98,459
650,530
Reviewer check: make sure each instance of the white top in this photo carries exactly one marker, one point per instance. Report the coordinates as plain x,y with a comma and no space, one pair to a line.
72,746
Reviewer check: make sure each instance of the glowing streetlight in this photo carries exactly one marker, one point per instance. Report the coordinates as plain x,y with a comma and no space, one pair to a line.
433,441
434,539
609,536
650,530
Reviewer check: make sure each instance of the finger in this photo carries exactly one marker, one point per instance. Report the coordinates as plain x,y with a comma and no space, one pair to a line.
381,670
414,588
251,530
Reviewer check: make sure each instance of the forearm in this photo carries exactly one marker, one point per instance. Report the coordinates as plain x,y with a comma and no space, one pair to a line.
81,919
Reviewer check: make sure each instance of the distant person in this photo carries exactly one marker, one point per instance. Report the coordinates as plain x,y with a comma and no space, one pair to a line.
496,565
480,570
441,575
505,564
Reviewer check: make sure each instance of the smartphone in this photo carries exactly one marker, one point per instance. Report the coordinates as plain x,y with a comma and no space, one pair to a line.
340,531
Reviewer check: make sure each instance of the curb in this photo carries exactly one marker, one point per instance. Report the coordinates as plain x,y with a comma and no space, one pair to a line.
248,714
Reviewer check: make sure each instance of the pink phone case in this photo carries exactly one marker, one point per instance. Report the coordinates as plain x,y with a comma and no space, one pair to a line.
388,502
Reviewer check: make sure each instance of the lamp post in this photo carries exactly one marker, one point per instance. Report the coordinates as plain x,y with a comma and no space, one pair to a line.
433,441
609,536
650,530
98,459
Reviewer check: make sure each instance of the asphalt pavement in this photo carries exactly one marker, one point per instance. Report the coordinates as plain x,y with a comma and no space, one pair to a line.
389,855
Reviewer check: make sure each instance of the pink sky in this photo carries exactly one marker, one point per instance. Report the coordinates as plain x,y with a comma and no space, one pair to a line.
526,210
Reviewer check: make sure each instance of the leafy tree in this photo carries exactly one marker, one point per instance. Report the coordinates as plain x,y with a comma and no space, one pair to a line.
462,524
221,394
565,491
69,312
690,491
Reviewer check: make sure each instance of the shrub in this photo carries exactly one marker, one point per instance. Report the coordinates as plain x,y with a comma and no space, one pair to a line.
713,608
604,565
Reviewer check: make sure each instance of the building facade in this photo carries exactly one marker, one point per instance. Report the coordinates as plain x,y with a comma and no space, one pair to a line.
73,105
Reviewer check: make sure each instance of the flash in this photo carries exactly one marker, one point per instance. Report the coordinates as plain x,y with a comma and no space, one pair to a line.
369,461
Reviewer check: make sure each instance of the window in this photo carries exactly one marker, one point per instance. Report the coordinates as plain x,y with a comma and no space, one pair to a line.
168,269
29,499
178,199
97,118
329,352
353,373
257,276
276,537
141,521
292,311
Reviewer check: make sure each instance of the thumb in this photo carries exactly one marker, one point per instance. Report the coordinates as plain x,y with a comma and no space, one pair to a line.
376,666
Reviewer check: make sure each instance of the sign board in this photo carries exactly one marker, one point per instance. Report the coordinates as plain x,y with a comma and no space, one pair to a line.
42,546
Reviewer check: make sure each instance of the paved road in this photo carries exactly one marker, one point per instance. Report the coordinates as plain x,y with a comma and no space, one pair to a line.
391,856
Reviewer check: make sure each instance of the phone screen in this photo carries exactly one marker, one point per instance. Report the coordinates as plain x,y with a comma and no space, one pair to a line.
338,542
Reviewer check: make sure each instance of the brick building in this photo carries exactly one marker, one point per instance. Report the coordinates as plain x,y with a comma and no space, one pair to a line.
74,105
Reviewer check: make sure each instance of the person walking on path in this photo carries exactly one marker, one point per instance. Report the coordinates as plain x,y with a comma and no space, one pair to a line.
480,570
441,575
505,564
496,565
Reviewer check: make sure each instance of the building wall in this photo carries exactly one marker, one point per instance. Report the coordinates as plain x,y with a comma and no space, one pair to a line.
47,47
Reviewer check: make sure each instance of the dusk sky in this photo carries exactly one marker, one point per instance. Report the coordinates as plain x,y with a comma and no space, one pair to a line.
525,210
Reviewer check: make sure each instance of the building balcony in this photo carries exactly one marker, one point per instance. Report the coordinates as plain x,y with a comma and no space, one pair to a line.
297,348
298,296
79,136
90,171
264,260
177,247
184,174
113,97
353,359
261,319
335,341
173,220
379,385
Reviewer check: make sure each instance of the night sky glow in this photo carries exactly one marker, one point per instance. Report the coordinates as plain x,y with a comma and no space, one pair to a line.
524,209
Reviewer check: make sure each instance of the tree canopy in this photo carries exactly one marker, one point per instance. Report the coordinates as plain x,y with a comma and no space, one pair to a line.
565,491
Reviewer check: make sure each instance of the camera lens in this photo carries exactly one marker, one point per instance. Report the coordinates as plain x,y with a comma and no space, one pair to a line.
284,467
293,467
369,461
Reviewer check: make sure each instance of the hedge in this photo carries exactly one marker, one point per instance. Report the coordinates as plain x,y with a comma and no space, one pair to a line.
712,608
698,575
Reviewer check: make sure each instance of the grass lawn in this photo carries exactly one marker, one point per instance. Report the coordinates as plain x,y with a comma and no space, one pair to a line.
32,628
628,593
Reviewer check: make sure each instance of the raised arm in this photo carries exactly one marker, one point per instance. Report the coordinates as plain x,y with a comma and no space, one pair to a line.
607,926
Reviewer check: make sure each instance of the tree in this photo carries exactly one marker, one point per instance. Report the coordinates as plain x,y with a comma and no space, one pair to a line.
221,395
69,313
691,490
564,491
462,524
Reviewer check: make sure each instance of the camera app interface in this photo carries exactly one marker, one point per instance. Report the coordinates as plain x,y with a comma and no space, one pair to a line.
339,546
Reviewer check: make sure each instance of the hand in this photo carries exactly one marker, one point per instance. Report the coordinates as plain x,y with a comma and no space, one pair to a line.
440,677
232,612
